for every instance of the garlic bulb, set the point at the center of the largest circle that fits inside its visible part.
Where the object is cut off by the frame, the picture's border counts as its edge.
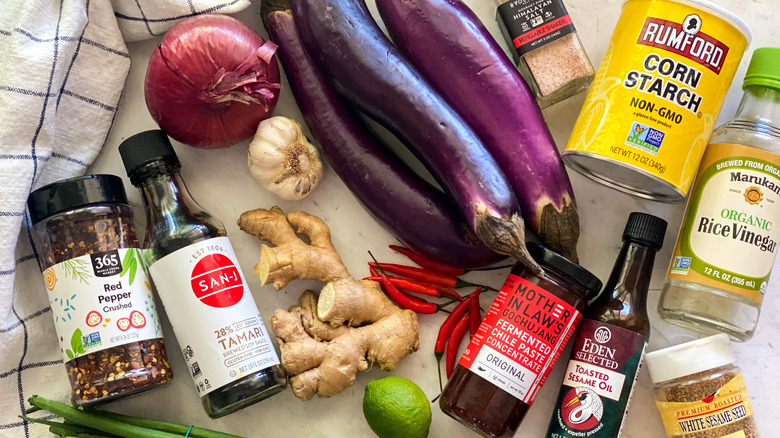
(282, 159)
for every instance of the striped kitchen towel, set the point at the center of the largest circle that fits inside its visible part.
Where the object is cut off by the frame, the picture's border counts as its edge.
(63, 64)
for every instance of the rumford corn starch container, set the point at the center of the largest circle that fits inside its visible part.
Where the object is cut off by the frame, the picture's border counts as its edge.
(656, 96)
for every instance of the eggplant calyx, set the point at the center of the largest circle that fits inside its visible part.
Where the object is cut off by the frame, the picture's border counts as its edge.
(560, 229)
(506, 236)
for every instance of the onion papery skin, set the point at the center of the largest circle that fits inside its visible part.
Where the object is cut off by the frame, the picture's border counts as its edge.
(187, 63)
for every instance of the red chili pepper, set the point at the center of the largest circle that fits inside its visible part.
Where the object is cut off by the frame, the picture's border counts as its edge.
(411, 286)
(446, 330)
(374, 272)
(412, 303)
(475, 315)
(424, 275)
(448, 325)
(449, 292)
(426, 263)
(453, 343)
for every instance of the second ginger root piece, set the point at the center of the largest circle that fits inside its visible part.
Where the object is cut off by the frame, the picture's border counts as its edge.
(351, 326)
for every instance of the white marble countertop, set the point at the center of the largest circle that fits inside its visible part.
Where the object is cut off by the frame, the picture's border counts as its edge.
(220, 181)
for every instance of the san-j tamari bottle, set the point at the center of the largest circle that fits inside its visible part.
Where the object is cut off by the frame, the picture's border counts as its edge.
(197, 276)
(720, 268)
(611, 340)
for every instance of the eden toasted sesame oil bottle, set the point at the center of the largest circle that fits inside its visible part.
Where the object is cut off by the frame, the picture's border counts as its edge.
(720, 268)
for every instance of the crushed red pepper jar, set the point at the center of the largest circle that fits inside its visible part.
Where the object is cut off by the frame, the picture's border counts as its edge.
(518, 343)
(101, 301)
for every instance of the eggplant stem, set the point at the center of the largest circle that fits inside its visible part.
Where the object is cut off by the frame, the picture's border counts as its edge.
(506, 236)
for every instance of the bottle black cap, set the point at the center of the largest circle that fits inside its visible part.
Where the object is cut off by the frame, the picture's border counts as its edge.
(547, 257)
(75, 193)
(144, 148)
(646, 228)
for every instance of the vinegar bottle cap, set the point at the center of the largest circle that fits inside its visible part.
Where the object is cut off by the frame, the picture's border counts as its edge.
(764, 69)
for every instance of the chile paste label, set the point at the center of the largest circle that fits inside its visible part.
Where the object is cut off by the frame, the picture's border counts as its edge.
(597, 385)
(530, 24)
(521, 338)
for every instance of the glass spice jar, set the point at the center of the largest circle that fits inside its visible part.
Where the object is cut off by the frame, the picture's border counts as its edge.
(699, 392)
(101, 301)
(518, 343)
(546, 48)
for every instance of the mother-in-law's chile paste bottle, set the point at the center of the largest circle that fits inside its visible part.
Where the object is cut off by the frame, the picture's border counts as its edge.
(609, 345)
(197, 276)
(522, 336)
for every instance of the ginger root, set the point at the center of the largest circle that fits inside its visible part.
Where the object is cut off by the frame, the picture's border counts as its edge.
(351, 326)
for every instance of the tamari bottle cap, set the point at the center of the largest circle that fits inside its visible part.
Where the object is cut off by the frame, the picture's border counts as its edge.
(144, 148)
(764, 68)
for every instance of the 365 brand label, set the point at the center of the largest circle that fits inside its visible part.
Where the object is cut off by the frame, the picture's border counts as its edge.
(521, 338)
(213, 314)
(100, 301)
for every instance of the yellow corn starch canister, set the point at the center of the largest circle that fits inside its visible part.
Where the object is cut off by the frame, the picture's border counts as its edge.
(656, 96)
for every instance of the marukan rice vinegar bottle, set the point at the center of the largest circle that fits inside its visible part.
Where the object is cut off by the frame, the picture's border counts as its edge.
(720, 268)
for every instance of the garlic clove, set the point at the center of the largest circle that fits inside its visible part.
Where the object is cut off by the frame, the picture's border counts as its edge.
(283, 160)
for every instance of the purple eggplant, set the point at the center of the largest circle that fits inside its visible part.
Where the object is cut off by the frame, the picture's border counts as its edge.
(415, 212)
(451, 47)
(365, 67)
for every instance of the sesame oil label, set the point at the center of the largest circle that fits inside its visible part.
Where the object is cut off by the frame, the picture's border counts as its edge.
(597, 385)
(729, 238)
(213, 314)
(521, 338)
(99, 301)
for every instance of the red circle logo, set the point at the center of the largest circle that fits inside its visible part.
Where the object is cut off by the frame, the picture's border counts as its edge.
(582, 409)
(217, 282)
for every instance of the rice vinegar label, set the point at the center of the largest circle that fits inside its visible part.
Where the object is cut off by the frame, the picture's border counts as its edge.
(732, 225)
(521, 338)
(213, 314)
(599, 379)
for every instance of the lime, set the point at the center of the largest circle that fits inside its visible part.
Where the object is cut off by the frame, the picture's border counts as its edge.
(395, 407)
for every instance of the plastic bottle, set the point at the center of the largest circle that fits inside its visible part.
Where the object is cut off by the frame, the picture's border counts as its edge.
(720, 268)
(197, 276)
(609, 345)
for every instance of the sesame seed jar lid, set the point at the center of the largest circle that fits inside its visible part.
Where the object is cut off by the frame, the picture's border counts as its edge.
(75, 193)
(689, 358)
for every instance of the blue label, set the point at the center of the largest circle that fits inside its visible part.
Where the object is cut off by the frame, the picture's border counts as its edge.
(645, 138)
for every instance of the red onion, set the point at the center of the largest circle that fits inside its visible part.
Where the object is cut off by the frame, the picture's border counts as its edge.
(211, 81)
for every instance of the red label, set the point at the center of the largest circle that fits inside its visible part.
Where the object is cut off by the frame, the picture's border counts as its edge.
(217, 282)
(542, 31)
(686, 40)
(521, 338)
